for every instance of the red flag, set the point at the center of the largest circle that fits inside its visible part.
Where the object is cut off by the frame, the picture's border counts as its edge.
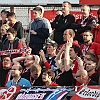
(89, 2)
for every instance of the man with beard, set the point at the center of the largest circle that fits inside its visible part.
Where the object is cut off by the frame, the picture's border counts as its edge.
(5, 73)
(90, 46)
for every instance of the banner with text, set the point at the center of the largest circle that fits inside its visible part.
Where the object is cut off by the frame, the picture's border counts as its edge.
(50, 14)
(87, 93)
(42, 93)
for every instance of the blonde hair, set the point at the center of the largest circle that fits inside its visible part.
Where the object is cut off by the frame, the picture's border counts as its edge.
(6, 26)
(35, 67)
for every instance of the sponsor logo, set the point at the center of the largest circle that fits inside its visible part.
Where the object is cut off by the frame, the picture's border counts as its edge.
(6, 94)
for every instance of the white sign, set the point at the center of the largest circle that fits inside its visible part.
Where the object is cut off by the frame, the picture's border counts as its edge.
(35, 2)
(86, 92)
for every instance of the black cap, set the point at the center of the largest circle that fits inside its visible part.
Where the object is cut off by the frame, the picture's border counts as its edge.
(5, 11)
(52, 43)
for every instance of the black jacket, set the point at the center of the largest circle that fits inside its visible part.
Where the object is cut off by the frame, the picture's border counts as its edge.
(60, 24)
(80, 29)
(18, 27)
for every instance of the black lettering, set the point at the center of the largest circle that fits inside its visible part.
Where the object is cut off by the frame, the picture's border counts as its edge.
(82, 91)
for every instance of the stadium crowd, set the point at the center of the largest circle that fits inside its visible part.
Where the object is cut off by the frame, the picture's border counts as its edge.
(64, 52)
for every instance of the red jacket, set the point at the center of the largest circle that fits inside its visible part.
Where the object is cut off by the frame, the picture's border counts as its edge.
(53, 84)
(96, 33)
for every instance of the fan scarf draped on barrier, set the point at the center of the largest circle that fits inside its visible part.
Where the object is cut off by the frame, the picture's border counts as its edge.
(49, 93)
(33, 93)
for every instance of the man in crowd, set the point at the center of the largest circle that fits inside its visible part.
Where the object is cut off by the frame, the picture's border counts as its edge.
(83, 24)
(48, 76)
(4, 17)
(39, 31)
(83, 78)
(90, 65)
(5, 73)
(16, 74)
(62, 22)
(90, 46)
(17, 25)
(28, 60)
(13, 42)
(35, 75)
(49, 61)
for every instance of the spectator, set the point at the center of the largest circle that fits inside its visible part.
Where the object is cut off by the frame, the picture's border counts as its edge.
(13, 42)
(74, 55)
(5, 73)
(28, 61)
(3, 20)
(49, 25)
(17, 80)
(83, 78)
(49, 61)
(35, 75)
(90, 46)
(65, 78)
(39, 31)
(48, 77)
(58, 12)
(17, 25)
(62, 22)
(4, 29)
(84, 24)
(90, 67)
(3, 17)
(69, 35)
(96, 28)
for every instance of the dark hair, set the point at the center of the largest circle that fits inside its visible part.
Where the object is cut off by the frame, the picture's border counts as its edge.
(11, 14)
(12, 30)
(68, 4)
(49, 72)
(5, 11)
(88, 31)
(92, 57)
(38, 9)
(52, 43)
(7, 56)
(98, 12)
(76, 49)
